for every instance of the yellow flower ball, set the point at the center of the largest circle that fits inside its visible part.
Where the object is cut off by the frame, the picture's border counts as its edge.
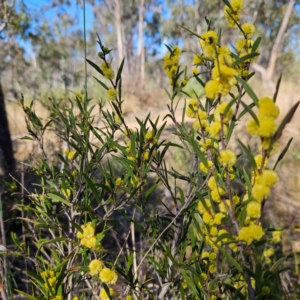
(95, 267)
(111, 94)
(268, 108)
(218, 218)
(197, 60)
(203, 168)
(220, 110)
(252, 126)
(207, 218)
(227, 158)
(216, 194)
(89, 242)
(103, 295)
(192, 109)
(201, 208)
(254, 209)
(212, 89)
(260, 192)
(251, 233)
(109, 73)
(212, 268)
(224, 74)
(249, 30)
(267, 127)
(108, 276)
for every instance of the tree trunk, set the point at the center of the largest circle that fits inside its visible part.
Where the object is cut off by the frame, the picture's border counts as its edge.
(267, 73)
(275, 49)
(6, 149)
(117, 15)
(141, 49)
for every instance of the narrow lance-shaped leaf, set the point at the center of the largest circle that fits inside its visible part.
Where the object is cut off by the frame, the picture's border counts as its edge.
(101, 83)
(277, 88)
(248, 89)
(256, 44)
(249, 154)
(286, 120)
(120, 71)
(193, 33)
(95, 66)
(250, 111)
(282, 154)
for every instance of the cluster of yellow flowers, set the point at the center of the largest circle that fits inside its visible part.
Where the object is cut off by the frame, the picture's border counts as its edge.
(50, 280)
(171, 62)
(107, 70)
(106, 275)
(88, 238)
(70, 154)
(268, 111)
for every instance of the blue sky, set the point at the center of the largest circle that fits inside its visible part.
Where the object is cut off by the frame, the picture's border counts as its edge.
(42, 7)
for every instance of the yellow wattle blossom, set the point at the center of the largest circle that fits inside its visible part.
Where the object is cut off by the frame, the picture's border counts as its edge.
(224, 75)
(208, 42)
(117, 119)
(118, 181)
(87, 237)
(57, 297)
(103, 295)
(258, 160)
(260, 192)
(212, 89)
(227, 158)
(192, 108)
(146, 156)
(268, 178)
(216, 194)
(268, 108)
(276, 237)
(249, 30)
(224, 56)
(212, 268)
(242, 45)
(195, 71)
(213, 231)
(207, 218)
(49, 279)
(71, 155)
(220, 110)
(107, 71)
(95, 267)
(108, 276)
(201, 208)
(254, 209)
(218, 218)
(233, 15)
(212, 183)
(267, 127)
(197, 59)
(111, 94)
(200, 124)
(203, 168)
(251, 233)
(149, 135)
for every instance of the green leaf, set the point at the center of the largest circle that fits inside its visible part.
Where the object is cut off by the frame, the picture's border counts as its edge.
(256, 44)
(27, 138)
(278, 263)
(230, 259)
(250, 111)
(27, 295)
(95, 66)
(120, 71)
(244, 58)
(277, 88)
(100, 82)
(282, 154)
(248, 89)
(246, 110)
(92, 186)
(193, 33)
(286, 120)
(56, 198)
(249, 154)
